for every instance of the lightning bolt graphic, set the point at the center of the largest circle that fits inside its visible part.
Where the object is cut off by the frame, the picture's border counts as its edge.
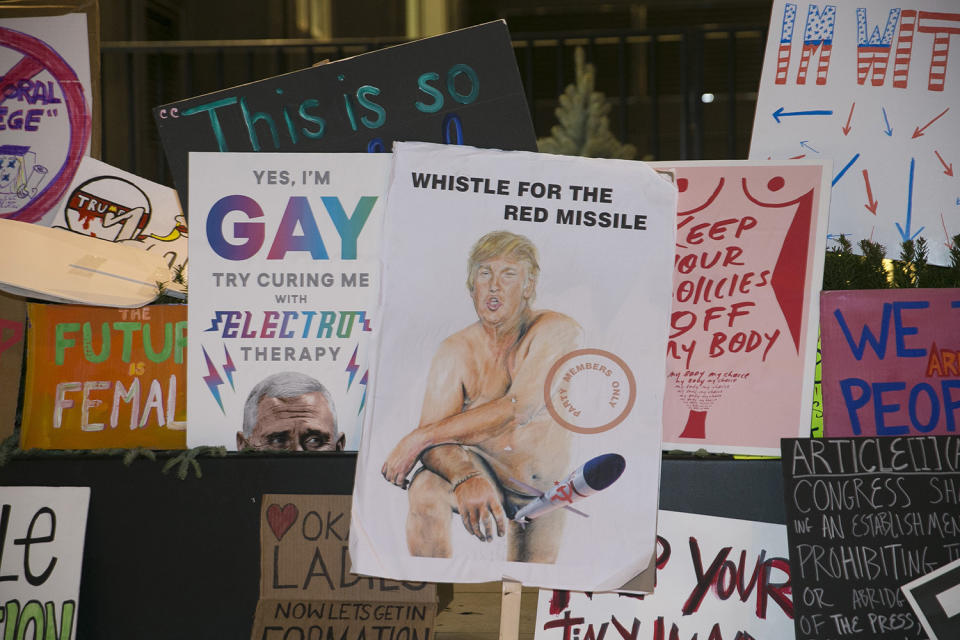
(352, 367)
(217, 319)
(364, 321)
(229, 368)
(213, 380)
(363, 399)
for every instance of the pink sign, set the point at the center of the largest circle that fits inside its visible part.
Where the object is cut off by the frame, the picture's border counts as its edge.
(891, 362)
(749, 264)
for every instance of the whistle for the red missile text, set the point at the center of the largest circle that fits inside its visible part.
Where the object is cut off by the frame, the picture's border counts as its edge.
(592, 476)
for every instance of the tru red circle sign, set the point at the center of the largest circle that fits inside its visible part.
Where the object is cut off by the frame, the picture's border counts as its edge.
(44, 126)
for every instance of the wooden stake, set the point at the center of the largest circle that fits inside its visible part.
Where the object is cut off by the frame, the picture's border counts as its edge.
(510, 610)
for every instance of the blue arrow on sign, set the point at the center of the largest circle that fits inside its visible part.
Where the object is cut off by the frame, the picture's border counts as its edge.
(905, 234)
(844, 170)
(780, 113)
(889, 129)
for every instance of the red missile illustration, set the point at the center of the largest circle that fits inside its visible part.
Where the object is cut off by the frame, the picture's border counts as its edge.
(592, 476)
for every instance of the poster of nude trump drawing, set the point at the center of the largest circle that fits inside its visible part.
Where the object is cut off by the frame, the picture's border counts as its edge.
(515, 426)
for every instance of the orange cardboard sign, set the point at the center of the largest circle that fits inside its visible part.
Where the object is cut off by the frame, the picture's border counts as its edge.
(101, 377)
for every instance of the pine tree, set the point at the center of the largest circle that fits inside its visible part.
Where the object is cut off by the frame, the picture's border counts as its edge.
(584, 128)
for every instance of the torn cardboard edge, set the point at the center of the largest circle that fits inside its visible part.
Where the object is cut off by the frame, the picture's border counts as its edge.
(306, 583)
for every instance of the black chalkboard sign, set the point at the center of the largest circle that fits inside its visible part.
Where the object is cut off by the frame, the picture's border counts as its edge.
(864, 517)
(462, 87)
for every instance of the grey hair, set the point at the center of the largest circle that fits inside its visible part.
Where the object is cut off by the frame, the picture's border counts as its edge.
(286, 384)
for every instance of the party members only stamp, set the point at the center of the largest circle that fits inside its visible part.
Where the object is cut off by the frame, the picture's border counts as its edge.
(590, 391)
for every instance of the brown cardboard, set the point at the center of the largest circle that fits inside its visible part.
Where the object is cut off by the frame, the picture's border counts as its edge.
(13, 320)
(306, 584)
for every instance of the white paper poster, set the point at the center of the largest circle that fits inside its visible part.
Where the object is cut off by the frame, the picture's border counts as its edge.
(869, 85)
(526, 308)
(45, 116)
(117, 206)
(284, 289)
(42, 532)
(717, 579)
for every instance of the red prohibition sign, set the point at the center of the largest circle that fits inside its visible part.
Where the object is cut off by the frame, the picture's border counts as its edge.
(37, 56)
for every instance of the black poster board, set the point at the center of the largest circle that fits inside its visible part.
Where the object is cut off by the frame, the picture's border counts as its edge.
(168, 558)
(461, 87)
(864, 517)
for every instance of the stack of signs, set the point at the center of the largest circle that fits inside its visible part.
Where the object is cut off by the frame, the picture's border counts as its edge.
(461, 87)
(41, 542)
(748, 270)
(867, 85)
(102, 378)
(891, 362)
(866, 516)
(13, 322)
(513, 352)
(307, 589)
(44, 111)
(284, 297)
(717, 579)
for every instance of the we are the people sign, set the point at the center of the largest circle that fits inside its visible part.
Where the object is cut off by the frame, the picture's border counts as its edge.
(891, 362)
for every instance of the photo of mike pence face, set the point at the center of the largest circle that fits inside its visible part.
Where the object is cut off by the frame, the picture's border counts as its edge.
(290, 411)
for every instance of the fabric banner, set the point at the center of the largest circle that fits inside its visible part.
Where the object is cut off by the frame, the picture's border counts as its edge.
(717, 579)
(283, 297)
(743, 333)
(868, 85)
(527, 298)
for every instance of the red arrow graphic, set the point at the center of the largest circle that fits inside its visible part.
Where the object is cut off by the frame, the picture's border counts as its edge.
(846, 128)
(948, 167)
(918, 131)
(871, 205)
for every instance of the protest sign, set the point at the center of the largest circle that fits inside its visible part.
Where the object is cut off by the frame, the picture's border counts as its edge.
(864, 517)
(743, 332)
(717, 578)
(45, 112)
(525, 406)
(284, 296)
(891, 362)
(13, 323)
(935, 599)
(54, 265)
(307, 589)
(100, 378)
(461, 87)
(868, 85)
(41, 543)
(117, 206)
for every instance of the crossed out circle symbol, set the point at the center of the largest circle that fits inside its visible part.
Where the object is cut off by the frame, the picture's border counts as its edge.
(37, 56)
